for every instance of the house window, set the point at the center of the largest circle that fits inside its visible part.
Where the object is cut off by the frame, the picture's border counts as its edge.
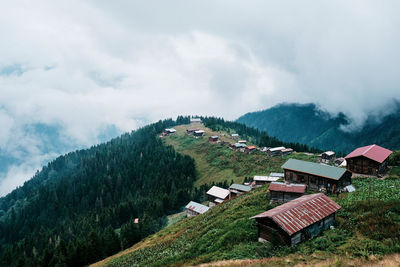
(301, 178)
(291, 176)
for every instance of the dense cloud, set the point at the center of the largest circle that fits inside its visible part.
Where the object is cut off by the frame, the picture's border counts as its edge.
(86, 66)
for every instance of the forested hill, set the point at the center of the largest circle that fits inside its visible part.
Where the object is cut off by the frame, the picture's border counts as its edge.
(68, 212)
(305, 123)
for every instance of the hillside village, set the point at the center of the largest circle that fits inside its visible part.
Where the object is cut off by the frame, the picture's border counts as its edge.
(301, 193)
(303, 185)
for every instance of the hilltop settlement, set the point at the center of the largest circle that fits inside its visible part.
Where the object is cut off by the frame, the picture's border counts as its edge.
(301, 192)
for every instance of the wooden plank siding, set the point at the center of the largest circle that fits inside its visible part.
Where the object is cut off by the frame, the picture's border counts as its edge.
(315, 182)
(365, 165)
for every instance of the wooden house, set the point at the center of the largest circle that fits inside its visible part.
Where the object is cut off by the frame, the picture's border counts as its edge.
(340, 162)
(277, 174)
(298, 220)
(194, 208)
(251, 149)
(192, 130)
(199, 133)
(261, 180)
(238, 146)
(286, 151)
(217, 195)
(195, 120)
(235, 136)
(213, 139)
(285, 192)
(327, 157)
(371, 160)
(169, 131)
(275, 151)
(316, 176)
(238, 189)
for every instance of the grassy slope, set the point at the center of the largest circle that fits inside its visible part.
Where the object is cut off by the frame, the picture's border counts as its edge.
(226, 233)
(216, 163)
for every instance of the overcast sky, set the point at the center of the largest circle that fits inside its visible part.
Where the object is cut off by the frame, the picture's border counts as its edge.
(86, 66)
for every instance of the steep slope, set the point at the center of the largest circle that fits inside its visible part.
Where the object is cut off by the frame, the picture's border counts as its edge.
(67, 213)
(226, 233)
(305, 123)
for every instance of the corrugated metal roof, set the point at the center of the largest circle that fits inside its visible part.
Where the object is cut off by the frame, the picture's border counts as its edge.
(218, 192)
(276, 148)
(200, 131)
(197, 207)
(329, 153)
(239, 145)
(252, 147)
(291, 188)
(330, 172)
(214, 136)
(265, 178)
(277, 174)
(374, 152)
(240, 187)
(301, 212)
(235, 135)
(193, 129)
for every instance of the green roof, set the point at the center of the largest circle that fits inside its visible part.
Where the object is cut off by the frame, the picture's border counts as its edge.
(314, 168)
(240, 187)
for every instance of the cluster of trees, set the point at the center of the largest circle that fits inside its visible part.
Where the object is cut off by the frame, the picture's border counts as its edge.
(81, 207)
(260, 138)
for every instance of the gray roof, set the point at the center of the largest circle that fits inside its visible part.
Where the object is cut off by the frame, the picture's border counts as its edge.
(265, 178)
(214, 136)
(277, 174)
(314, 168)
(197, 207)
(240, 187)
(238, 145)
(218, 192)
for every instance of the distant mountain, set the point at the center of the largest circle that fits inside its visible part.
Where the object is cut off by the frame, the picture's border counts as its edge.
(307, 124)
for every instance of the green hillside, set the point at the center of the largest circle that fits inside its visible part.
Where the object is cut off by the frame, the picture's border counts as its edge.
(217, 163)
(226, 232)
(307, 124)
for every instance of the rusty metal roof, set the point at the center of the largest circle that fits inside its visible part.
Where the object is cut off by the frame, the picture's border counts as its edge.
(301, 212)
(374, 152)
(291, 188)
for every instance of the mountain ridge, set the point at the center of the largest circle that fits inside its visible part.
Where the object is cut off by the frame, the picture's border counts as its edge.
(308, 124)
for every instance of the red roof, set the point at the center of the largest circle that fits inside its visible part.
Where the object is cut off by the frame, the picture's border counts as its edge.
(251, 147)
(283, 187)
(374, 152)
(301, 212)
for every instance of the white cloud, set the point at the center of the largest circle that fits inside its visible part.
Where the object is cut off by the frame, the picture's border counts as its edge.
(86, 65)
